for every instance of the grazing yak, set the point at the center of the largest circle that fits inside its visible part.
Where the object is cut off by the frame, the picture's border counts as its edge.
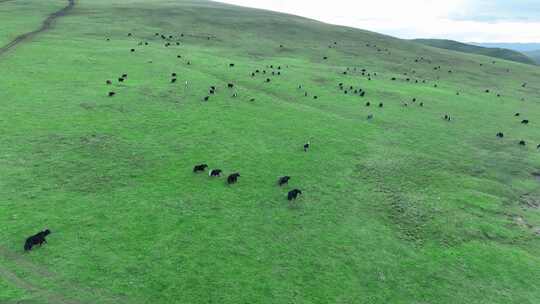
(233, 178)
(37, 239)
(538, 147)
(108, 82)
(525, 121)
(368, 104)
(111, 94)
(283, 180)
(215, 172)
(230, 85)
(200, 168)
(293, 194)
(522, 143)
(306, 146)
(173, 80)
(381, 105)
(500, 135)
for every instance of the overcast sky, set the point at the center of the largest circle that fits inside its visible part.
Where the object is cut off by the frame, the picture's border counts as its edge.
(462, 20)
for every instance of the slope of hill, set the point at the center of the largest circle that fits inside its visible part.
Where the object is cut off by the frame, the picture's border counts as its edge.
(500, 53)
(405, 207)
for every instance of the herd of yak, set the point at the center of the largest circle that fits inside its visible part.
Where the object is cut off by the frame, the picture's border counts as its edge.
(40, 237)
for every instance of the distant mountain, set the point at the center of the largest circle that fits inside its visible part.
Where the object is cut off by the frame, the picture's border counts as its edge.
(535, 55)
(479, 50)
(520, 47)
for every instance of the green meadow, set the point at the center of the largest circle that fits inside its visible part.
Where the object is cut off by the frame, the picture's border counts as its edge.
(405, 207)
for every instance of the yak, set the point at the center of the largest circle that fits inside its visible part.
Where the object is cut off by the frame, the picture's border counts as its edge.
(36, 239)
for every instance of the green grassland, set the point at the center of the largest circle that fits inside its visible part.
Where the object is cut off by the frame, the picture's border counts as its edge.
(404, 208)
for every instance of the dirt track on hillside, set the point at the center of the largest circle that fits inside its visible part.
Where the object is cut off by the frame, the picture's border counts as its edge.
(44, 27)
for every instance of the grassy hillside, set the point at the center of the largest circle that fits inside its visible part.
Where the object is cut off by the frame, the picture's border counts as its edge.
(24, 16)
(473, 49)
(404, 208)
(535, 55)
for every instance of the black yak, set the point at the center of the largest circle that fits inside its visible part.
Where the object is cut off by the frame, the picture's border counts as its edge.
(200, 168)
(500, 135)
(37, 239)
(283, 180)
(306, 146)
(525, 121)
(522, 143)
(215, 172)
(111, 94)
(233, 178)
(293, 194)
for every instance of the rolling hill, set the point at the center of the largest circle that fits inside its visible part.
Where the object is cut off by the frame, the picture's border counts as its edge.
(500, 53)
(403, 207)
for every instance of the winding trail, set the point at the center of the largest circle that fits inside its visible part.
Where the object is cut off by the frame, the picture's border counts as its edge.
(45, 26)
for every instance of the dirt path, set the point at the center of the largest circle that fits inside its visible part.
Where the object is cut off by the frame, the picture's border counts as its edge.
(45, 26)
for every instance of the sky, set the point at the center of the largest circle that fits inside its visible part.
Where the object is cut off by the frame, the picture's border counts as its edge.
(514, 21)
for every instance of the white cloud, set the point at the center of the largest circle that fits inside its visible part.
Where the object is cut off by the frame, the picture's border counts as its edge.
(408, 19)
